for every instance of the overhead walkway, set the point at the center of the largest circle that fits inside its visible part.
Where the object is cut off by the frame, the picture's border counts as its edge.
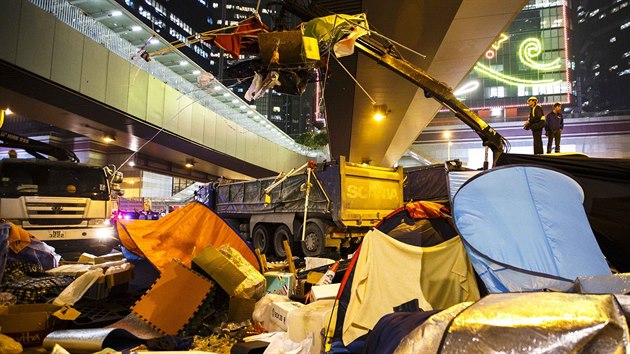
(59, 66)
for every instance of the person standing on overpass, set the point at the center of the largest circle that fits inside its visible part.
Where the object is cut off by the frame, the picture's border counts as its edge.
(535, 123)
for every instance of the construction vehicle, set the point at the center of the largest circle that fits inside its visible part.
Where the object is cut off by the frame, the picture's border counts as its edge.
(317, 208)
(386, 54)
(55, 198)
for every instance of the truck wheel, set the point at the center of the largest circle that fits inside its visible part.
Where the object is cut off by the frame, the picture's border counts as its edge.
(314, 243)
(261, 238)
(282, 233)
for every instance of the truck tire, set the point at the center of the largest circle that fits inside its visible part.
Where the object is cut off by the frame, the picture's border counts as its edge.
(261, 238)
(282, 233)
(314, 243)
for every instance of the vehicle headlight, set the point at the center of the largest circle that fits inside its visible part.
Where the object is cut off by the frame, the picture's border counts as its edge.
(105, 233)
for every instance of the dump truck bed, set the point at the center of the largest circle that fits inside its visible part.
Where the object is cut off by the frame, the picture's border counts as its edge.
(350, 194)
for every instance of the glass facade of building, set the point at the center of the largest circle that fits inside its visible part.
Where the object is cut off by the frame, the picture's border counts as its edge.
(184, 19)
(528, 59)
(602, 56)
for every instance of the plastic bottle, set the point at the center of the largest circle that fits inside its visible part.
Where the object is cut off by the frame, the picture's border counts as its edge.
(328, 277)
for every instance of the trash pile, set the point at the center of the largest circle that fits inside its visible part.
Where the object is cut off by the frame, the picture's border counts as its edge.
(505, 271)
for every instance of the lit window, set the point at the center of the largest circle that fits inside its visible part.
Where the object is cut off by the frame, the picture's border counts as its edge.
(215, 5)
(496, 91)
(276, 109)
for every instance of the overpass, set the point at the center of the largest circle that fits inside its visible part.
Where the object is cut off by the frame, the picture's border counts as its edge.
(84, 82)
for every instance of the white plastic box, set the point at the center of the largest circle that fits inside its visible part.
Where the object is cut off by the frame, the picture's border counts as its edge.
(314, 317)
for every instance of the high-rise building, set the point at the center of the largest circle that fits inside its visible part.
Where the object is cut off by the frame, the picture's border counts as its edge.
(531, 58)
(601, 54)
(183, 20)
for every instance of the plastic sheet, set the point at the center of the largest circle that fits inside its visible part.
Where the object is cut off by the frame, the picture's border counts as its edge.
(91, 340)
(75, 291)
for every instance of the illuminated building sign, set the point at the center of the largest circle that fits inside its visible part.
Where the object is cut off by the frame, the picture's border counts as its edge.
(529, 59)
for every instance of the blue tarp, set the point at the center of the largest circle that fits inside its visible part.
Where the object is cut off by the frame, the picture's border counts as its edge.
(525, 229)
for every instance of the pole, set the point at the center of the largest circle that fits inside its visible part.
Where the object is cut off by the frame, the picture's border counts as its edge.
(308, 192)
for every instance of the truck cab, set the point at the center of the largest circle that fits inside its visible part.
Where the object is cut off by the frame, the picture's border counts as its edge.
(64, 203)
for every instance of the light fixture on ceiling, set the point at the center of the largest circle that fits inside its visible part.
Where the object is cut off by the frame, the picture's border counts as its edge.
(380, 111)
(109, 138)
(4, 112)
(190, 163)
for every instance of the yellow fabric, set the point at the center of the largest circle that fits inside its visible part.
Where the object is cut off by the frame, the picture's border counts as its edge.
(447, 275)
(18, 238)
(389, 273)
(181, 234)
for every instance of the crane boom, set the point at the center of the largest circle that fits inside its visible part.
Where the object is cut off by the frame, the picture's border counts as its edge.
(387, 56)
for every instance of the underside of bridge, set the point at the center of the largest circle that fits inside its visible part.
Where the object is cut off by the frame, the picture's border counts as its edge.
(452, 34)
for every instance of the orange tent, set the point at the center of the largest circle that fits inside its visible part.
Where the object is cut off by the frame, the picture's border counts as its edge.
(181, 234)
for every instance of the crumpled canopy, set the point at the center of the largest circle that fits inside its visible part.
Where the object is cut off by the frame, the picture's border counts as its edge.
(331, 30)
(181, 234)
(523, 225)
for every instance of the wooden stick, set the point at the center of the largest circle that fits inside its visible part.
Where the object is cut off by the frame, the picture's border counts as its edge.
(263, 261)
(287, 249)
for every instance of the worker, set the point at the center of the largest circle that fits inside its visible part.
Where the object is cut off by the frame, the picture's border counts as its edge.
(535, 123)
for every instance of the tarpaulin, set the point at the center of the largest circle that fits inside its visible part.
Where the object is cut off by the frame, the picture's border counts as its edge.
(243, 38)
(181, 234)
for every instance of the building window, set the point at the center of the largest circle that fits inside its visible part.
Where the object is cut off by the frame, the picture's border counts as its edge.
(496, 91)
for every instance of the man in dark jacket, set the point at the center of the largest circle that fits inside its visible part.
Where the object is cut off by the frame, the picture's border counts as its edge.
(535, 122)
(553, 128)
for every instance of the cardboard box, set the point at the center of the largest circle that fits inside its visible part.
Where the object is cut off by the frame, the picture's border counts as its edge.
(108, 284)
(280, 311)
(92, 259)
(280, 283)
(217, 266)
(604, 284)
(30, 323)
(328, 291)
(241, 309)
